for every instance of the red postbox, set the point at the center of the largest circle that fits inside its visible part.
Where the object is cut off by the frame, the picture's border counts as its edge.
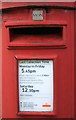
(37, 60)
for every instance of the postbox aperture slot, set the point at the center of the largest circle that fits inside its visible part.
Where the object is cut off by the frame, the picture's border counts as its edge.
(38, 30)
(36, 35)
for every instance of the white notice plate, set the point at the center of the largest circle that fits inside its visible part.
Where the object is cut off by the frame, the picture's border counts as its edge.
(35, 85)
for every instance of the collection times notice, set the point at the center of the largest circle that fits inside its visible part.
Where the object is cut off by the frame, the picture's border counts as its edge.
(35, 85)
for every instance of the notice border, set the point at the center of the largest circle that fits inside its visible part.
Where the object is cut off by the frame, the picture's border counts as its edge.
(52, 57)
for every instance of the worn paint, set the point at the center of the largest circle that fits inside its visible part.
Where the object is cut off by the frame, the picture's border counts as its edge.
(56, 46)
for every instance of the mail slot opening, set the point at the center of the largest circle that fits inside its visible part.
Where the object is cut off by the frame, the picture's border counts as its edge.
(36, 34)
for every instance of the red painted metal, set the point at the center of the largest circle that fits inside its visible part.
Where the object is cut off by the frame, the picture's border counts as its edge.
(6, 5)
(60, 49)
(75, 62)
(0, 70)
(55, 41)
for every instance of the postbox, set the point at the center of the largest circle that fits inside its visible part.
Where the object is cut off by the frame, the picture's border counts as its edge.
(37, 60)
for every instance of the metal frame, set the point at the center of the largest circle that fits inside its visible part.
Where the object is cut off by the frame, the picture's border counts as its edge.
(51, 57)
